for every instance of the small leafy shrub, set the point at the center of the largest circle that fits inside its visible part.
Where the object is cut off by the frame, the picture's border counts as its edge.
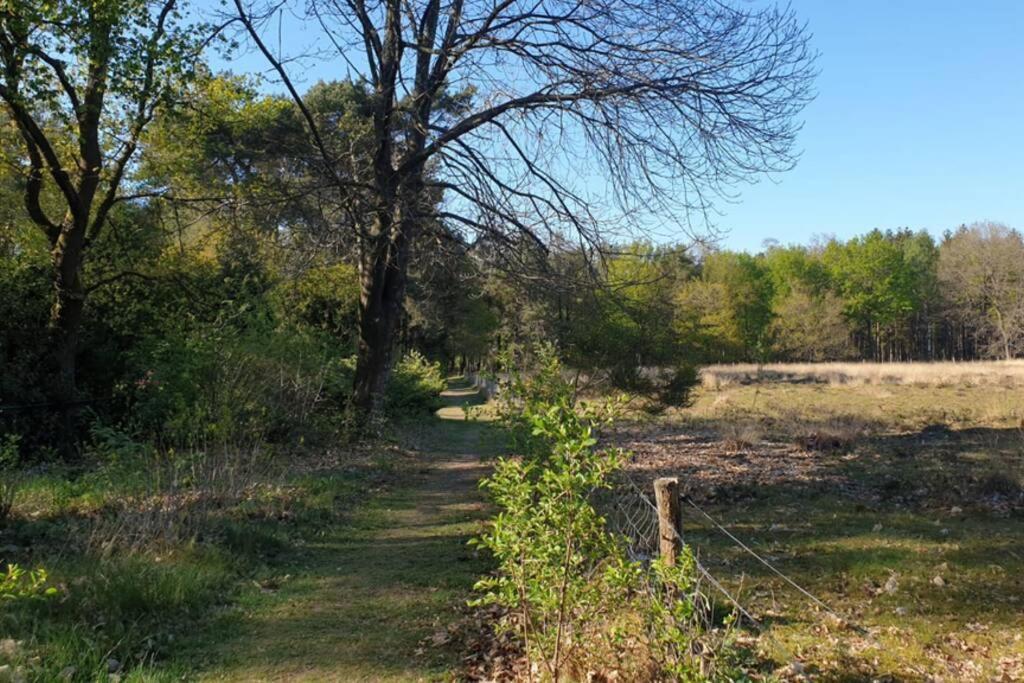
(415, 385)
(576, 600)
(560, 571)
(9, 478)
(21, 584)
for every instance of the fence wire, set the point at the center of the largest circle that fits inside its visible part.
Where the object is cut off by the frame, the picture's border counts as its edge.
(632, 513)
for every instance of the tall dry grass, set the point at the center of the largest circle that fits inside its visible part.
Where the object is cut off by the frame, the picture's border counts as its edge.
(995, 373)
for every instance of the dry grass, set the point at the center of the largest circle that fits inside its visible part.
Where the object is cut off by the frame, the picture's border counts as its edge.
(998, 373)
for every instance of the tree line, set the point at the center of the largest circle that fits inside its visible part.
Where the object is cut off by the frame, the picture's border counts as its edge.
(887, 296)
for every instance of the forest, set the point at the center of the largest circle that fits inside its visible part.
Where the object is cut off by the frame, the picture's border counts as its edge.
(245, 320)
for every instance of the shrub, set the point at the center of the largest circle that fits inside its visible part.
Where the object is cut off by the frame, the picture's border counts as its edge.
(217, 383)
(576, 600)
(560, 571)
(676, 390)
(415, 385)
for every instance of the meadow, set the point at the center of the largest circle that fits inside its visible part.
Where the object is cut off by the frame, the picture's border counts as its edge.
(893, 493)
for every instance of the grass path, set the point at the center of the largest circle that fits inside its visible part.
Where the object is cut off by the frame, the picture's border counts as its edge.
(355, 601)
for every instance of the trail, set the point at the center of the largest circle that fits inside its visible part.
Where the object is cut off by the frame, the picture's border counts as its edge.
(360, 600)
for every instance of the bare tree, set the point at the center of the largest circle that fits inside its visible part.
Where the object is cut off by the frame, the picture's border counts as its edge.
(981, 268)
(80, 81)
(546, 117)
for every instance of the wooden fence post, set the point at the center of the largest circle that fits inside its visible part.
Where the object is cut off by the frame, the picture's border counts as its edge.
(670, 519)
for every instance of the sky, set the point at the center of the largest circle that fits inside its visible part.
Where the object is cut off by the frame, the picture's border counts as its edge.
(918, 122)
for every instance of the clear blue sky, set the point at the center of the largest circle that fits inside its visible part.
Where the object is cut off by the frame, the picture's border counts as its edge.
(918, 122)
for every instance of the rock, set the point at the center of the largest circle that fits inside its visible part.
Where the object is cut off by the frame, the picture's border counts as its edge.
(113, 666)
(938, 581)
(955, 510)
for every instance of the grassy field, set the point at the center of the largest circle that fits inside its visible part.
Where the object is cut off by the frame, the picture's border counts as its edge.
(315, 564)
(898, 502)
(951, 374)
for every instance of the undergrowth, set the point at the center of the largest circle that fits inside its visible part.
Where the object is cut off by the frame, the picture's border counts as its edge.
(579, 604)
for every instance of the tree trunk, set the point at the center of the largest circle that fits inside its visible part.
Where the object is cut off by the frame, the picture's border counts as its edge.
(383, 275)
(65, 325)
(68, 305)
(1004, 335)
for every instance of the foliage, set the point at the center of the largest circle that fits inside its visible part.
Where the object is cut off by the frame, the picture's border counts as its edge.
(216, 382)
(559, 569)
(561, 573)
(676, 391)
(20, 584)
(415, 386)
(732, 300)
(325, 298)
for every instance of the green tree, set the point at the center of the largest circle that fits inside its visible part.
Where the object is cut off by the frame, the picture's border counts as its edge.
(81, 81)
(730, 306)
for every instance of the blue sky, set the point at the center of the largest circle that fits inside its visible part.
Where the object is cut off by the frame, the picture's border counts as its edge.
(918, 122)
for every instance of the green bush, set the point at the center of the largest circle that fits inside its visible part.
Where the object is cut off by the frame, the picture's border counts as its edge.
(560, 571)
(575, 598)
(415, 385)
(675, 391)
(222, 383)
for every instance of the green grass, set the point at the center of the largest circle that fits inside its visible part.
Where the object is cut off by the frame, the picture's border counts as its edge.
(922, 482)
(336, 570)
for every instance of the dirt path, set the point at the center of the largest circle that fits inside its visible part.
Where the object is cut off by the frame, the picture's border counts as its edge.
(356, 603)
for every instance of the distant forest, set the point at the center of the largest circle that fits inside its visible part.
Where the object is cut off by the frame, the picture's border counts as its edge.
(883, 296)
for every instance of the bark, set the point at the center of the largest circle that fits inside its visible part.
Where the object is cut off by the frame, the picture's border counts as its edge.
(383, 274)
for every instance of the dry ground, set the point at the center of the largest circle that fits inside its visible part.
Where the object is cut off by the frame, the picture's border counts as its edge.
(899, 504)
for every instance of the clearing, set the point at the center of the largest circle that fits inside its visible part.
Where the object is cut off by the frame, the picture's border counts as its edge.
(899, 505)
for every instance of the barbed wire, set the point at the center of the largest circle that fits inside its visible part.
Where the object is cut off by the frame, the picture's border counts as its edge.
(634, 517)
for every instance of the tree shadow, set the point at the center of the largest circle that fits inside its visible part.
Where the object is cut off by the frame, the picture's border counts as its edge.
(919, 532)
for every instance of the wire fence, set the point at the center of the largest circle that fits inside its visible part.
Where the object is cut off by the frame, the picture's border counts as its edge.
(633, 513)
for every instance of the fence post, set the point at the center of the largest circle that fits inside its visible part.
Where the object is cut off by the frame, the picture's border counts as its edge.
(670, 519)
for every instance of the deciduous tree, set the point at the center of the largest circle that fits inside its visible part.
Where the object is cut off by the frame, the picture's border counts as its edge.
(505, 106)
(80, 81)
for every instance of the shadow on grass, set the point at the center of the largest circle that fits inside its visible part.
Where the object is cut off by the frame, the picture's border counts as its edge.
(917, 536)
(356, 600)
